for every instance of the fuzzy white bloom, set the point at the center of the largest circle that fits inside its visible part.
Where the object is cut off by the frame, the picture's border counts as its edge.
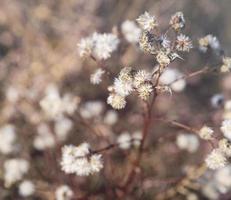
(7, 139)
(225, 147)
(85, 47)
(170, 76)
(64, 192)
(226, 128)
(111, 117)
(147, 21)
(187, 142)
(79, 161)
(163, 59)
(177, 21)
(206, 133)
(145, 90)
(131, 31)
(124, 140)
(216, 159)
(62, 128)
(141, 77)
(226, 64)
(44, 139)
(123, 88)
(14, 170)
(96, 77)
(104, 45)
(164, 41)
(98, 45)
(26, 188)
(91, 109)
(116, 101)
(183, 43)
(217, 100)
(137, 137)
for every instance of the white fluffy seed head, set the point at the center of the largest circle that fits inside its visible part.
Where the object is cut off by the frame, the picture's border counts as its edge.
(145, 90)
(78, 160)
(225, 147)
(116, 101)
(147, 22)
(216, 159)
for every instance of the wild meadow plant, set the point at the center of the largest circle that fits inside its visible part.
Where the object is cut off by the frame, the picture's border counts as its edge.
(120, 166)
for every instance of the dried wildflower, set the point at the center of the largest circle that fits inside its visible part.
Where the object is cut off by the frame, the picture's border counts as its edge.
(209, 41)
(64, 192)
(104, 45)
(123, 88)
(187, 142)
(145, 90)
(183, 43)
(147, 21)
(146, 42)
(85, 47)
(177, 21)
(216, 159)
(26, 188)
(8, 139)
(225, 147)
(141, 77)
(98, 45)
(126, 74)
(14, 169)
(131, 31)
(164, 41)
(226, 128)
(162, 58)
(116, 101)
(96, 77)
(124, 140)
(226, 64)
(79, 161)
(206, 133)
(217, 100)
